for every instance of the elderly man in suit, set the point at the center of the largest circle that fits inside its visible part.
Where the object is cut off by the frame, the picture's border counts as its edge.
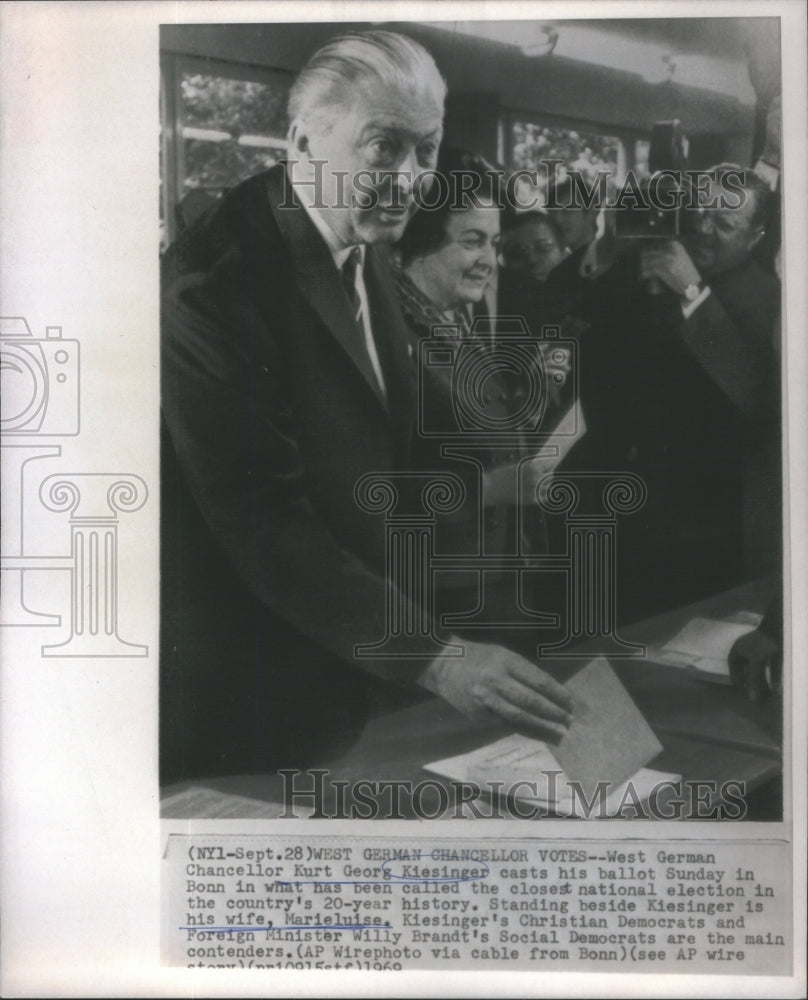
(286, 378)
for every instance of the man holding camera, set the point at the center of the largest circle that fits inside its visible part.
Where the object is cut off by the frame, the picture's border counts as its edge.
(286, 379)
(680, 386)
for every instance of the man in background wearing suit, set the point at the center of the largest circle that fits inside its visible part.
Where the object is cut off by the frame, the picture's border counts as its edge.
(286, 378)
(681, 387)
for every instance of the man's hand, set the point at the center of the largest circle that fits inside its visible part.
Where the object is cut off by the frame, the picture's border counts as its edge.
(669, 263)
(493, 684)
(756, 666)
(536, 469)
(518, 483)
(515, 484)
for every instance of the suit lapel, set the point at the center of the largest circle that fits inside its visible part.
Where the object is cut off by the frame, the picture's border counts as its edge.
(317, 277)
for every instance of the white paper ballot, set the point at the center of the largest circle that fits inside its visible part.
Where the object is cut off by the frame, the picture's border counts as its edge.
(567, 432)
(704, 644)
(528, 770)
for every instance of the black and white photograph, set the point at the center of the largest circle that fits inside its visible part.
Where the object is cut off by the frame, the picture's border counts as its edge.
(471, 339)
(402, 555)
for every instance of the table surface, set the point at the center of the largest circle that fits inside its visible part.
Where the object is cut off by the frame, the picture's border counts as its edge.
(709, 731)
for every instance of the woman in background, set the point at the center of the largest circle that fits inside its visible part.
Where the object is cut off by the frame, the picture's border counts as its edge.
(532, 246)
(446, 276)
(448, 254)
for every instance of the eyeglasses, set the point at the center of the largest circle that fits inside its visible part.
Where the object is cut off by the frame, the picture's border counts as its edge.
(521, 251)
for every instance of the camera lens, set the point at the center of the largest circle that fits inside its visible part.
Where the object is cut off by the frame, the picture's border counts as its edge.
(22, 387)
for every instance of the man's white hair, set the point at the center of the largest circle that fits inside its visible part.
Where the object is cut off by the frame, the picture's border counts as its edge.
(367, 59)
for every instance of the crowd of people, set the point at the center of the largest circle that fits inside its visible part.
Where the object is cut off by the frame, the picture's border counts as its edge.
(677, 363)
(292, 322)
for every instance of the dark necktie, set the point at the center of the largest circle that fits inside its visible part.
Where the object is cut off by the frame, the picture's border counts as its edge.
(352, 262)
(348, 274)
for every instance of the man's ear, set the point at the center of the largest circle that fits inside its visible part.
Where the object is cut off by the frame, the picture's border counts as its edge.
(298, 137)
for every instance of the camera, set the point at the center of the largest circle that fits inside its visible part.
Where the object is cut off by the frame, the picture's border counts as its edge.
(40, 380)
(498, 377)
(652, 208)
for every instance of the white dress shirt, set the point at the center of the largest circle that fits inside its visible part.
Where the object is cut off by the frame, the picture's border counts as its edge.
(340, 253)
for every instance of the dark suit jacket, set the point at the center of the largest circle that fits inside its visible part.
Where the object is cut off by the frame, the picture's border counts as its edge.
(507, 525)
(271, 571)
(567, 290)
(687, 405)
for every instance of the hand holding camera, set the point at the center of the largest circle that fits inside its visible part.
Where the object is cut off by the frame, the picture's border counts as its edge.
(669, 263)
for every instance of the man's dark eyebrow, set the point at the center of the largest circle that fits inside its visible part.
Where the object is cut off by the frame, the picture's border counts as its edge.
(381, 126)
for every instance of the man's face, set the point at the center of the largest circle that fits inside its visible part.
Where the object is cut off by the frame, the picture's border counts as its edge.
(374, 151)
(458, 272)
(532, 250)
(719, 239)
(579, 225)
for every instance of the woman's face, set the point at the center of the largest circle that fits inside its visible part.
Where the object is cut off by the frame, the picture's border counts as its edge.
(532, 250)
(458, 272)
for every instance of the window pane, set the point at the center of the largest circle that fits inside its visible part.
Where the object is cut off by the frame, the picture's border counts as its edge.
(642, 150)
(586, 152)
(228, 129)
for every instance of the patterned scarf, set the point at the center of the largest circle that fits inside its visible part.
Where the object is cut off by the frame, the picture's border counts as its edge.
(420, 311)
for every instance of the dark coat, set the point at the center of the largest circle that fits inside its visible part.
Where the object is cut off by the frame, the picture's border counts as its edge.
(505, 525)
(271, 572)
(692, 407)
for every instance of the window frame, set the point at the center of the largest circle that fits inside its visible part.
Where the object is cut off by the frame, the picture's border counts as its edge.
(626, 136)
(172, 67)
